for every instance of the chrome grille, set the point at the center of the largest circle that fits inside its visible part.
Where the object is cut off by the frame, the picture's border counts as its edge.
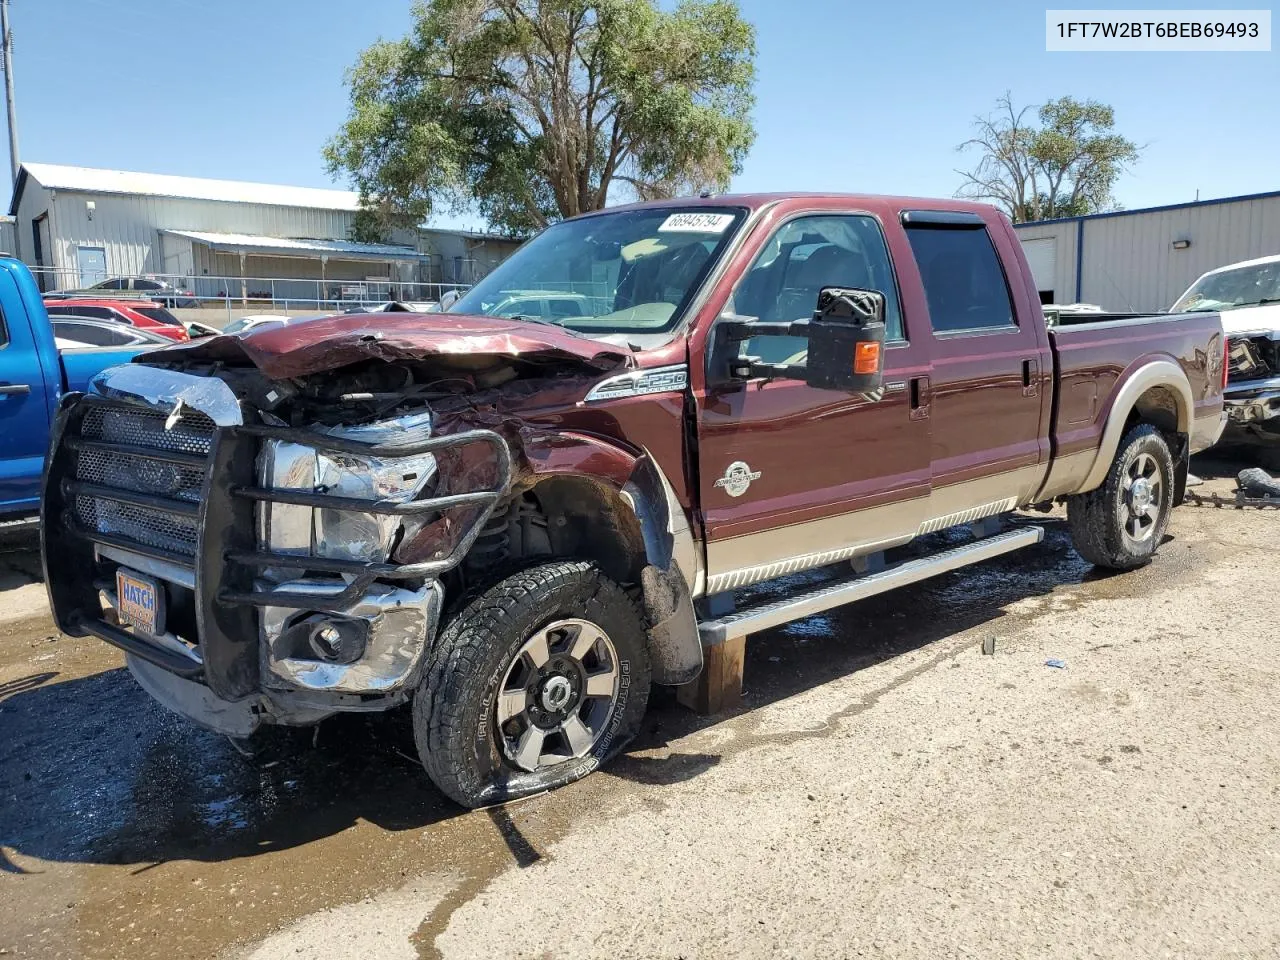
(123, 469)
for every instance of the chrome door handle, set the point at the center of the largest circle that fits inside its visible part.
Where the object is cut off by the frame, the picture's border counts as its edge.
(14, 389)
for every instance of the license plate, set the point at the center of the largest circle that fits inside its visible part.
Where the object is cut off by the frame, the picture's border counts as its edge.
(140, 601)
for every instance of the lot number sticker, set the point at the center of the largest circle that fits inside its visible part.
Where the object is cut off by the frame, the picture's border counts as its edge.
(696, 223)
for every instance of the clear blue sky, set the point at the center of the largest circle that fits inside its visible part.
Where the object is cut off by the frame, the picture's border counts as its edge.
(852, 96)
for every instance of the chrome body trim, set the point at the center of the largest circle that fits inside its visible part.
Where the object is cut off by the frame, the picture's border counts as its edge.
(172, 572)
(741, 561)
(774, 614)
(640, 383)
(968, 516)
(401, 623)
(1245, 388)
(163, 389)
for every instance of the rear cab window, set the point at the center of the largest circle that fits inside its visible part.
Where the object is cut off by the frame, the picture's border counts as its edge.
(964, 283)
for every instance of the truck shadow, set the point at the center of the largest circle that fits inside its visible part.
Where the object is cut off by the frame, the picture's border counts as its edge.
(91, 770)
(19, 557)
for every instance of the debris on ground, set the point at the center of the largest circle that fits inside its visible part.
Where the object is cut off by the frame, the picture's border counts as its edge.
(1056, 663)
(1254, 488)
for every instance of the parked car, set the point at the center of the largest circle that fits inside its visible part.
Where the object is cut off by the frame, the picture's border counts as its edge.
(764, 385)
(161, 291)
(195, 329)
(256, 321)
(34, 376)
(1247, 295)
(395, 306)
(75, 332)
(136, 313)
(541, 304)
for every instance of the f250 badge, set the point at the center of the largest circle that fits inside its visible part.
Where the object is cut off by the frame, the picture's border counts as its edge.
(737, 478)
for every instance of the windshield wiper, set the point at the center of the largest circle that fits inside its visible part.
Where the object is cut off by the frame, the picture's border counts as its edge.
(1256, 303)
(528, 319)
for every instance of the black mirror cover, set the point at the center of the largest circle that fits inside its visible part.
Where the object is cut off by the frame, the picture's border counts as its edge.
(846, 341)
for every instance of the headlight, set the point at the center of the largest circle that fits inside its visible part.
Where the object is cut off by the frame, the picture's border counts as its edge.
(344, 534)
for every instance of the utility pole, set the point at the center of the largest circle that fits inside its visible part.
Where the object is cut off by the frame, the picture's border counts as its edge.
(7, 40)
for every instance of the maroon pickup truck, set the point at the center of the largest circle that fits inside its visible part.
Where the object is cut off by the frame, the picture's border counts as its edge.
(519, 520)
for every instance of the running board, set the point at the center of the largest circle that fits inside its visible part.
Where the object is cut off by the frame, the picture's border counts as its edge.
(755, 619)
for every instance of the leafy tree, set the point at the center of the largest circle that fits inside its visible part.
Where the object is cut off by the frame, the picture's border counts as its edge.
(533, 110)
(1065, 165)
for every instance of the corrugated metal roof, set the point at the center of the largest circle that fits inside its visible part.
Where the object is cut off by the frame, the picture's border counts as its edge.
(289, 247)
(55, 176)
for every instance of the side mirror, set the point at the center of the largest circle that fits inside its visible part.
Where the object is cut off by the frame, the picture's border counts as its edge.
(845, 343)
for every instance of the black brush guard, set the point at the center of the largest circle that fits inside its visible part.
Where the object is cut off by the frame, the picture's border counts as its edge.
(227, 556)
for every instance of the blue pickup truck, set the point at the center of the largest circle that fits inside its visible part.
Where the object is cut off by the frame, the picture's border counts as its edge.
(34, 373)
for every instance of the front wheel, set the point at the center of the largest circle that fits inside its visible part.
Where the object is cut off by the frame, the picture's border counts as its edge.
(532, 685)
(1120, 524)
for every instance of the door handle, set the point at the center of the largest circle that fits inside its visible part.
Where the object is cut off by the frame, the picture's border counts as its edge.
(919, 389)
(1030, 377)
(14, 389)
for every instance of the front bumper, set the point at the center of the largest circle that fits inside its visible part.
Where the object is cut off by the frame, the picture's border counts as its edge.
(178, 503)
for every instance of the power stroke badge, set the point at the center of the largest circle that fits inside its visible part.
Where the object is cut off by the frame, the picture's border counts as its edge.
(737, 478)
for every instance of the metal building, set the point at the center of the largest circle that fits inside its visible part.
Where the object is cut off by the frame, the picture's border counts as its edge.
(76, 226)
(1141, 260)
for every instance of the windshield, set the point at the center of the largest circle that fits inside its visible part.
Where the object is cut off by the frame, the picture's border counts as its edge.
(1230, 289)
(632, 271)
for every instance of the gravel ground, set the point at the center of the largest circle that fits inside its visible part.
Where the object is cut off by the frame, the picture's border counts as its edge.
(886, 790)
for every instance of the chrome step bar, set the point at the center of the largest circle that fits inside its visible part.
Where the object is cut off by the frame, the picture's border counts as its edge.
(755, 619)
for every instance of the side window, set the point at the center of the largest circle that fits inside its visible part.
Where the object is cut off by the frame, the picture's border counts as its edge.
(963, 281)
(802, 257)
(85, 333)
(565, 308)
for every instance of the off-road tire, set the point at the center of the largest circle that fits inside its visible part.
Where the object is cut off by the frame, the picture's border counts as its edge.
(1096, 519)
(454, 723)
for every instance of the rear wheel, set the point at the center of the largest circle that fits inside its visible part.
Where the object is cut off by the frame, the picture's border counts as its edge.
(1120, 524)
(532, 685)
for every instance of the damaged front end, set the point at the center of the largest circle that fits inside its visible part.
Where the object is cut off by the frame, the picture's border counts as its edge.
(1252, 395)
(271, 549)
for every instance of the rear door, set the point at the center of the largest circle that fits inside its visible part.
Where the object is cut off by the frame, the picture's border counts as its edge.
(24, 404)
(991, 368)
(792, 477)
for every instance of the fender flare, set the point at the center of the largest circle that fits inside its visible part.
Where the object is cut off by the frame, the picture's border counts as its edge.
(1162, 373)
(670, 576)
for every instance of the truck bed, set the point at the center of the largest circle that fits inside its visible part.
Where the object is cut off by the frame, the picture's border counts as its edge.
(1095, 354)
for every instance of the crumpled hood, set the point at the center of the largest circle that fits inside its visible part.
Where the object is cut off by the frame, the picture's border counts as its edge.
(327, 343)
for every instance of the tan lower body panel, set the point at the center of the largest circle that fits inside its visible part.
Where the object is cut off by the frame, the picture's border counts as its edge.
(741, 561)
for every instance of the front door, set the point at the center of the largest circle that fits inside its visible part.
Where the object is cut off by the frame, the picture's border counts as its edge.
(792, 477)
